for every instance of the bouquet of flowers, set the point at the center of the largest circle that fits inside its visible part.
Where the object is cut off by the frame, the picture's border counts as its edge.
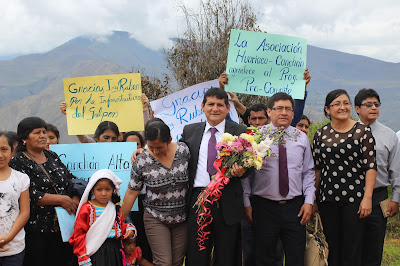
(247, 150)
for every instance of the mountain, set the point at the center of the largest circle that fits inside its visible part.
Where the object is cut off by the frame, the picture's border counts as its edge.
(32, 84)
(30, 74)
(332, 69)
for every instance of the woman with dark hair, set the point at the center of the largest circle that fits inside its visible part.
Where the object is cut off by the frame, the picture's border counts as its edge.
(304, 124)
(106, 131)
(13, 137)
(163, 169)
(53, 135)
(134, 136)
(137, 216)
(49, 179)
(345, 169)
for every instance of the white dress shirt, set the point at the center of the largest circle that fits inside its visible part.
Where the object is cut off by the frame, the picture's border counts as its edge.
(387, 158)
(202, 177)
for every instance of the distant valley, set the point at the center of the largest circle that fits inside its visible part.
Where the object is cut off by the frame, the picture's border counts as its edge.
(31, 85)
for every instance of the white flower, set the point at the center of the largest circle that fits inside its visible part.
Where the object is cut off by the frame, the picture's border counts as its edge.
(267, 141)
(262, 149)
(264, 146)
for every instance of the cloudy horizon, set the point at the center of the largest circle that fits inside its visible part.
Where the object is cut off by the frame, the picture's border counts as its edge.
(357, 27)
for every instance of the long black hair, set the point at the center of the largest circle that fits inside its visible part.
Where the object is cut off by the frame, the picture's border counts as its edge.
(157, 130)
(103, 126)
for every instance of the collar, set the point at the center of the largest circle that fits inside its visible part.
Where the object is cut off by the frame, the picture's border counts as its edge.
(371, 126)
(287, 130)
(220, 127)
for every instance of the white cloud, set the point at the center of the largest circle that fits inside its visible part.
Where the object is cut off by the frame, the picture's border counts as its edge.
(361, 26)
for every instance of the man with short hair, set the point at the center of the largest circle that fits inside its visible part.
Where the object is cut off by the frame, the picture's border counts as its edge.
(244, 112)
(282, 192)
(257, 115)
(228, 212)
(367, 105)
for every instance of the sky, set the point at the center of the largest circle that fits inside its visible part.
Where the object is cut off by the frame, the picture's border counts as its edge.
(363, 27)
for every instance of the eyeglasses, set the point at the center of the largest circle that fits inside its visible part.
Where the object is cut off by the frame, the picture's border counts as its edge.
(280, 109)
(345, 104)
(369, 104)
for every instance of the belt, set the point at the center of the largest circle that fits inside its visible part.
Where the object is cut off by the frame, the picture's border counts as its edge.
(278, 202)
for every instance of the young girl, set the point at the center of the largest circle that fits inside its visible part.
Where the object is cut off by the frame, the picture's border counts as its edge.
(133, 254)
(99, 225)
(14, 207)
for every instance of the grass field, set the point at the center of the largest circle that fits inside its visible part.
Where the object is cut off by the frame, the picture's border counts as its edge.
(391, 251)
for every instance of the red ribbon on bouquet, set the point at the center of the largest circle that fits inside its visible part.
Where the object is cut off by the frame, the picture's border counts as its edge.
(210, 195)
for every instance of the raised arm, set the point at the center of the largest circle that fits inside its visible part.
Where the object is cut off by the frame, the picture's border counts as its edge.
(300, 104)
(81, 138)
(240, 108)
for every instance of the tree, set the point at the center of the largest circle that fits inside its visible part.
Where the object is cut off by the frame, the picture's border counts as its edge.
(153, 87)
(200, 54)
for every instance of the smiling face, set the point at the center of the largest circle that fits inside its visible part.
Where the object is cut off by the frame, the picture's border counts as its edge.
(281, 113)
(368, 115)
(37, 140)
(102, 192)
(5, 152)
(340, 108)
(215, 110)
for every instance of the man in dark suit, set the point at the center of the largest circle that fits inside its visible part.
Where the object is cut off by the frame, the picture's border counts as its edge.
(228, 211)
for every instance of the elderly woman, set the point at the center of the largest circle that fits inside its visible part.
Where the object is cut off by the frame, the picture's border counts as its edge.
(49, 179)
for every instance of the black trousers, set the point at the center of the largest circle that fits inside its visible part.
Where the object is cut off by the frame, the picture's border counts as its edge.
(223, 238)
(344, 232)
(272, 221)
(46, 249)
(375, 230)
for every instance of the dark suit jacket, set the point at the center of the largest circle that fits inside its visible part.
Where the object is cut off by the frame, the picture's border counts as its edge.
(231, 200)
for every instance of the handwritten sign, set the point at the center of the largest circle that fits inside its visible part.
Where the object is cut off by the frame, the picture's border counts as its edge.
(86, 158)
(184, 107)
(264, 64)
(91, 100)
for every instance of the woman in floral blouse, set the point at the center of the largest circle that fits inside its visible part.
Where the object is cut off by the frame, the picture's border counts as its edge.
(48, 188)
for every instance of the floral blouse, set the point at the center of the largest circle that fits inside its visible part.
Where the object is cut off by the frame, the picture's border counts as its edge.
(166, 188)
(42, 217)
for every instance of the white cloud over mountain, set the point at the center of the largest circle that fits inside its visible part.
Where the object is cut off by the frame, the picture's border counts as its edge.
(361, 26)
